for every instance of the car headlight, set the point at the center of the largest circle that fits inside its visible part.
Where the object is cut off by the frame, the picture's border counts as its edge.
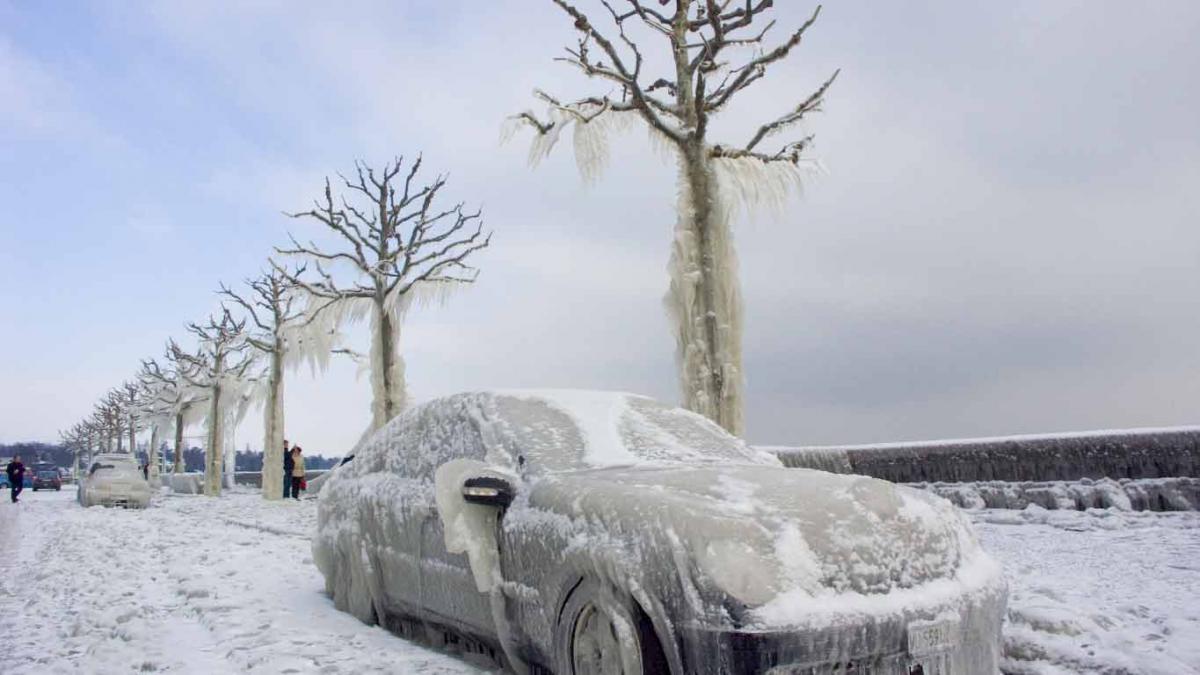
(740, 570)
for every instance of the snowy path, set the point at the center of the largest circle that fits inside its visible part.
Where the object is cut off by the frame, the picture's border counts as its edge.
(192, 585)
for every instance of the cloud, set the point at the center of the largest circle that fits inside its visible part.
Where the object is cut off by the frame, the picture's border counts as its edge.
(1005, 240)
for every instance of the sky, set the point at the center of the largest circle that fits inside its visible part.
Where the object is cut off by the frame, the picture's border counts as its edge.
(1004, 240)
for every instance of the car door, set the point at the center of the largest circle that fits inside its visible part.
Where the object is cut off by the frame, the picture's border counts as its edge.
(447, 583)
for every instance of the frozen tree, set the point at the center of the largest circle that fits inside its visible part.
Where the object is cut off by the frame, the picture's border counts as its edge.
(218, 368)
(709, 51)
(109, 419)
(164, 402)
(395, 246)
(185, 400)
(79, 440)
(128, 397)
(279, 332)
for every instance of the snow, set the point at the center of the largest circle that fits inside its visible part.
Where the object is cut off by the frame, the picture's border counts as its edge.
(1098, 591)
(192, 585)
(201, 585)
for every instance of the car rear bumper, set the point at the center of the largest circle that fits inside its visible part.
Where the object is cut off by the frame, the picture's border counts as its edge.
(129, 501)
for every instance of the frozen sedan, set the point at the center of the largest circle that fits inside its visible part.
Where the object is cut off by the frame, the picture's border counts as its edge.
(589, 532)
(114, 480)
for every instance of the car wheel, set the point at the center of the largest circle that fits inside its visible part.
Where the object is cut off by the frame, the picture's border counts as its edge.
(599, 633)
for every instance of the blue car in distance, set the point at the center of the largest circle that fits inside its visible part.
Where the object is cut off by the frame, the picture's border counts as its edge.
(28, 483)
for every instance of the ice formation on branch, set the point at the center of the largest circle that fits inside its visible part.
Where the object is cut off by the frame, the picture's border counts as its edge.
(400, 248)
(704, 300)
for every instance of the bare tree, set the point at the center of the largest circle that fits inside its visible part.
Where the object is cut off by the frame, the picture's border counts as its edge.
(164, 401)
(128, 397)
(218, 367)
(699, 39)
(183, 399)
(273, 308)
(396, 246)
(79, 439)
(110, 421)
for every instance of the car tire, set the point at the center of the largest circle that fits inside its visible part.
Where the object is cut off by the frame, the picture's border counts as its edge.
(603, 632)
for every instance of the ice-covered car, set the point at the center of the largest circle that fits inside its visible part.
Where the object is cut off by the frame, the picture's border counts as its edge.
(591, 532)
(114, 480)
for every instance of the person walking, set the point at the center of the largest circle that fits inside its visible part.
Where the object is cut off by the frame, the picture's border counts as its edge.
(297, 471)
(16, 476)
(288, 463)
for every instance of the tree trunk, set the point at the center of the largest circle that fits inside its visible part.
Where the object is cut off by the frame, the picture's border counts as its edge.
(272, 468)
(215, 446)
(152, 451)
(387, 369)
(704, 299)
(132, 436)
(178, 443)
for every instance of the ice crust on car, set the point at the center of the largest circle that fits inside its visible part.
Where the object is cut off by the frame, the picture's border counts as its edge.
(639, 492)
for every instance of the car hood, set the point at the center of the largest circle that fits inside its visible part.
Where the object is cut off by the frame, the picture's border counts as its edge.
(757, 531)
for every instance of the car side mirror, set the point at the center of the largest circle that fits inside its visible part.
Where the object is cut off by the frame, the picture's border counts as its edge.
(489, 491)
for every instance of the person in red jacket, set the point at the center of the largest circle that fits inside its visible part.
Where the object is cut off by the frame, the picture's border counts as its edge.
(16, 476)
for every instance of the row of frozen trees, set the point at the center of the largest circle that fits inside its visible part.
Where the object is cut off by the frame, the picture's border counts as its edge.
(670, 66)
(395, 243)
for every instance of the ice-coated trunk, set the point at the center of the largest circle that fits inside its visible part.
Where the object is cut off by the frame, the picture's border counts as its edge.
(387, 367)
(152, 453)
(272, 468)
(215, 446)
(704, 299)
(132, 436)
(178, 443)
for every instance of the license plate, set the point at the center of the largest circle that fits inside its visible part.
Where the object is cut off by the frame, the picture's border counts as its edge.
(931, 637)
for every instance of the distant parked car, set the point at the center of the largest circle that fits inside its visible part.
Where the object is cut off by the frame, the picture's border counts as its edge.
(601, 533)
(46, 478)
(114, 480)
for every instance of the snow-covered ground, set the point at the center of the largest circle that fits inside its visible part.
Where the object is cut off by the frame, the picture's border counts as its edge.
(190, 585)
(1099, 591)
(197, 585)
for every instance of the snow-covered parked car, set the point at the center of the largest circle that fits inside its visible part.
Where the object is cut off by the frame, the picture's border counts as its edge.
(591, 532)
(114, 480)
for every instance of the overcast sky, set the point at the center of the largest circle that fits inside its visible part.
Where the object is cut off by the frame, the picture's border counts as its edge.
(1006, 239)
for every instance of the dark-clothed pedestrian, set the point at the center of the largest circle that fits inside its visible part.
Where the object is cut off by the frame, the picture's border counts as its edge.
(287, 468)
(297, 471)
(16, 477)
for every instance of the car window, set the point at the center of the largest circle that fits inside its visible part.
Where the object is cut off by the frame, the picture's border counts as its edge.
(420, 440)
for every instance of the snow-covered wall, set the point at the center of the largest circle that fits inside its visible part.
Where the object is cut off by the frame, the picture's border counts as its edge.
(1135, 453)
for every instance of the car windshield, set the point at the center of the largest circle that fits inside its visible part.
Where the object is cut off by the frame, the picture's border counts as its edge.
(47, 475)
(572, 430)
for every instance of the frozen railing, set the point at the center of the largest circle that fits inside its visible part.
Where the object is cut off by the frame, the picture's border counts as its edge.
(1133, 453)
(1145, 494)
